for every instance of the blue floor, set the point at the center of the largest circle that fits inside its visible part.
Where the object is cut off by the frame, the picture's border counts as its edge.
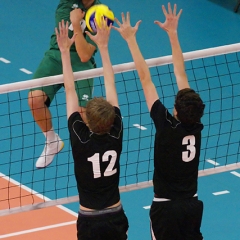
(203, 24)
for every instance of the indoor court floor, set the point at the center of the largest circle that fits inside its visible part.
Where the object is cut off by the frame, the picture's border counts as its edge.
(26, 27)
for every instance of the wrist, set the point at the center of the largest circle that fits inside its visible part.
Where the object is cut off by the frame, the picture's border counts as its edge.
(172, 33)
(102, 47)
(131, 41)
(76, 26)
(65, 52)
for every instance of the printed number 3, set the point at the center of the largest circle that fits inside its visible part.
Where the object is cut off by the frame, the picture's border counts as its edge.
(189, 155)
(95, 159)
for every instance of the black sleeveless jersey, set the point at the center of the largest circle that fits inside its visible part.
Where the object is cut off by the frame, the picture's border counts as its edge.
(96, 162)
(176, 155)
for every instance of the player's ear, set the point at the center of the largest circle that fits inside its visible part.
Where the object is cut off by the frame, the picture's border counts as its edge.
(174, 111)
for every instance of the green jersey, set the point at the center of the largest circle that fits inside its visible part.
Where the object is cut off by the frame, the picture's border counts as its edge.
(63, 13)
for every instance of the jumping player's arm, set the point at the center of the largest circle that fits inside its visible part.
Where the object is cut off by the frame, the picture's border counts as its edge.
(170, 26)
(101, 39)
(64, 44)
(84, 49)
(129, 35)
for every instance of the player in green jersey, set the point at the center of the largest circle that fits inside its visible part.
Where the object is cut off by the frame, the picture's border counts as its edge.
(82, 52)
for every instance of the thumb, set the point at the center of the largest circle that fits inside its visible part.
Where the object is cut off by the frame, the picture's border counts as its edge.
(73, 38)
(159, 24)
(115, 28)
(89, 34)
(138, 23)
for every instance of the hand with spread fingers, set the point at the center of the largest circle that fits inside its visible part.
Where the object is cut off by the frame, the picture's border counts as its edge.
(64, 42)
(171, 22)
(125, 29)
(103, 33)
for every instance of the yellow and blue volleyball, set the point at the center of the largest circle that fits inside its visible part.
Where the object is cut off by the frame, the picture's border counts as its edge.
(97, 12)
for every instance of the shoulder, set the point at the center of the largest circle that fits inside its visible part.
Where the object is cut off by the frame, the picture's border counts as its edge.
(117, 111)
(117, 128)
(75, 118)
(157, 109)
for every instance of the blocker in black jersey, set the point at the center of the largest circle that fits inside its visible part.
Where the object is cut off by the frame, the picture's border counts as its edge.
(96, 162)
(176, 212)
(176, 155)
(96, 136)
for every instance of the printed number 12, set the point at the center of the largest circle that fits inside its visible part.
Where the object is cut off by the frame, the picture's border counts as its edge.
(95, 159)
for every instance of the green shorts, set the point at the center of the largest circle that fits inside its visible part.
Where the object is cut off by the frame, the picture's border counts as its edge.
(51, 65)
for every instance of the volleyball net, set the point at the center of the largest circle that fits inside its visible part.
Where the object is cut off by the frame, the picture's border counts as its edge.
(214, 73)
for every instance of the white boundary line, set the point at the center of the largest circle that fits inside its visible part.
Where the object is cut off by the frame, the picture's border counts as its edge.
(235, 173)
(212, 162)
(221, 192)
(4, 60)
(37, 229)
(34, 193)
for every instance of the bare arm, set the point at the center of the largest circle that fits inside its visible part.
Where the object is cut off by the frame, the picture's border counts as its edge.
(101, 39)
(129, 35)
(85, 50)
(170, 26)
(64, 44)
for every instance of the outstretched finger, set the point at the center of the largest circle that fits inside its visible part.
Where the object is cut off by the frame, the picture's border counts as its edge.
(89, 34)
(169, 8)
(115, 28)
(179, 14)
(56, 32)
(164, 10)
(61, 28)
(104, 22)
(99, 25)
(117, 21)
(175, 9)
(123, 17)
(66, 26)
(159, 24)
(137, 24)
(73, 38)
(128, 17)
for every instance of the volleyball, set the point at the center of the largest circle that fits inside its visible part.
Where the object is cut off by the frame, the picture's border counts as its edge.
(97, 12)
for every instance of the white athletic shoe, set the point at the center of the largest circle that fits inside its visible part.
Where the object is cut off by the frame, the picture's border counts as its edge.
(49, 152)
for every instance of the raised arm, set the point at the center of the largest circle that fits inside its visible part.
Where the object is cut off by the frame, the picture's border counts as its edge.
(101, 39)
(64, 44)
(85, 50)
(129, 35)
(170, 26)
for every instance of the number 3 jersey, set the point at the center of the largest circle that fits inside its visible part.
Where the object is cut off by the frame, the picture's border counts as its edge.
(96, 162)
(176, 155)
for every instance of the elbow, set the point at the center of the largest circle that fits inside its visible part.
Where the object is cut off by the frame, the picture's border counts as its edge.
(145, 78)
(84, 57)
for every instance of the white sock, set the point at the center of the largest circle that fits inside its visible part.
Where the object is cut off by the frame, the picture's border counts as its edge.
(50, 135)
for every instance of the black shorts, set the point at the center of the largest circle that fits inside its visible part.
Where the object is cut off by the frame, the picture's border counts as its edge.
(104, 226)
(176, 219)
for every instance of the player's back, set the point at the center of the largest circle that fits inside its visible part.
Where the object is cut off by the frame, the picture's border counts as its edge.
(176, 155)
(96, 162)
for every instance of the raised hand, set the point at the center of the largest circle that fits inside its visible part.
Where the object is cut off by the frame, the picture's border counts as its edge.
(171, 22)
(64, 42)
(125, 28)
(76, 15)
(103, 32)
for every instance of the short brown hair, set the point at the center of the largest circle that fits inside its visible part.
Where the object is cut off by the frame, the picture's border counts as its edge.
(189, 106)
(100, 115)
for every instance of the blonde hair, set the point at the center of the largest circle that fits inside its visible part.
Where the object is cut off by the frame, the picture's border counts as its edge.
(100, 115)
